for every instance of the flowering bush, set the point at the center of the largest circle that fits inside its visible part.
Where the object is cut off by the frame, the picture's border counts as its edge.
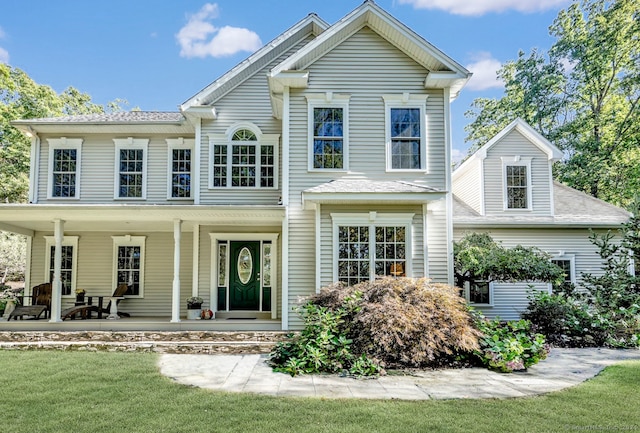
(11, 295)
(194, 301)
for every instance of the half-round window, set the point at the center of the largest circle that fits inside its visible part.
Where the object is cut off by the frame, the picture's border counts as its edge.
(244, 135)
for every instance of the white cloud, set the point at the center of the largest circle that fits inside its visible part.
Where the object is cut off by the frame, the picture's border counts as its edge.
(481, 7)
(200, 38)
(484, 70)
(4, 56)
(457, 155)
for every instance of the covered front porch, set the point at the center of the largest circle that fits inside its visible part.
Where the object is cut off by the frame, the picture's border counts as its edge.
(164, 253)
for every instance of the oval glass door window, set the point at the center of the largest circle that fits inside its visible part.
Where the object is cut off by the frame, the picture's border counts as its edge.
(245, 265)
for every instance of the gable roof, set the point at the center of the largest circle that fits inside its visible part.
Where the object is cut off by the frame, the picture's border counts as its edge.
(443, 71)
(552, 152)
(572, 208)
(312, 24)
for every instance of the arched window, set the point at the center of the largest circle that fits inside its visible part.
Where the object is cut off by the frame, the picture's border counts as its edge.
(247, 160)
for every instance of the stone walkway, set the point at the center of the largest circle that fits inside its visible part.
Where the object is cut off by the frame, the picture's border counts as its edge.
(250, 373)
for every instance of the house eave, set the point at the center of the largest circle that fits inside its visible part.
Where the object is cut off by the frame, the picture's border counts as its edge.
(553, 224)
(28, 218)
(311, 199)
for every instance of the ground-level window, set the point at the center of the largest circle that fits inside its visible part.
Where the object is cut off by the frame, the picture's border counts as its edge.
(366, 251)
(129, 263)
(478, 292)
(68, 264)
(566, 264)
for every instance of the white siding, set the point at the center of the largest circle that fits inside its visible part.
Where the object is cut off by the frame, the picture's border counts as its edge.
(510, 300)
(95, 270)
(468, 185)
(514, 144)
(97, 171)
(366, 67)
(571, 242)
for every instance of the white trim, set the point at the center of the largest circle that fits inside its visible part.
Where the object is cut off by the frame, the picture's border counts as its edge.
(218, 237)
(261, 140)
(128, 241)
(175, 288)
(64, 143)
(372, 220)
(571, 258)
(130, 143)
(195, 168)
(467, 295)
(67, 241)
(406, 100)
(180, 144)
(196, 260)
(318, 251)
(27, 274)
(425, 240)
(516, 161)
(34, 170)
(328, 100)
(286, 118)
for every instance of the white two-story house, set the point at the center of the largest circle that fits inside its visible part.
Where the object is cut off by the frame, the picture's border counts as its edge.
(324, 156)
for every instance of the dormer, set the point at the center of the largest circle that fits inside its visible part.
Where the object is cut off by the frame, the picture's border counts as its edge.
(510, 175)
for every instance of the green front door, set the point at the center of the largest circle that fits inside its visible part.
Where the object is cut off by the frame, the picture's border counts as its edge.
(244, 276)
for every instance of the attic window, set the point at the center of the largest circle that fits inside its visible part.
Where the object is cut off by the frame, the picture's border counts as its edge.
(517, 183)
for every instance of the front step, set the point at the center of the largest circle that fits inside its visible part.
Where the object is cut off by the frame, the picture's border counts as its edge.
(195, 342)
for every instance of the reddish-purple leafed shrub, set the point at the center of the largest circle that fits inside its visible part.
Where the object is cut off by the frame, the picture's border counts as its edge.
(404, 322)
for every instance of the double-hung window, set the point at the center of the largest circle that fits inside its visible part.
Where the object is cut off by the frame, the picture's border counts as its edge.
(328, 131)
(68, 265)
(366, 248)
(405, 132)
(128, 263)
(517, 183)
(131, 168)
(244, 158)
(64, 167)
(566, 263)
(179, 170)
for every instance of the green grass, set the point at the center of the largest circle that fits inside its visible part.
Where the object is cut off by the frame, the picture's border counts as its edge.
(123, 392)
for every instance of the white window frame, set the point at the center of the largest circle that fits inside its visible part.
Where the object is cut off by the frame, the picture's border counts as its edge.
(128, 241)
(179, 144)
(571, 258)
(262, 140)
(328, 100)
(64, 143)
(406, 100)
(517, 161)
(467, 294)
(130, 143)
(372, 220)
(67, 241)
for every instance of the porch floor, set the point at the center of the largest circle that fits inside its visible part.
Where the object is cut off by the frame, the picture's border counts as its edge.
(142, 324)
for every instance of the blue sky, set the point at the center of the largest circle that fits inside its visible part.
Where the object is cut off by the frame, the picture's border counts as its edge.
(158, 53)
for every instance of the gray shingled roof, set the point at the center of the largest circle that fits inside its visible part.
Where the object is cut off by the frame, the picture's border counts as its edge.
(119, 117)
(572, 207)
(369, 186)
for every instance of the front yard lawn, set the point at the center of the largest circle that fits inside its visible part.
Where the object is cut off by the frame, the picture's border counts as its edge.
(47, 391)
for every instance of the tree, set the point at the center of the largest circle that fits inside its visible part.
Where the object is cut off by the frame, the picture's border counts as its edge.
(22, 98)
(584, 96)
(13, 255)
(477, 257)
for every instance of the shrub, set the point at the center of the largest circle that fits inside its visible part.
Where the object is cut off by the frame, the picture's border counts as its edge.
(323, 345)
(387, 322)
(509, 346)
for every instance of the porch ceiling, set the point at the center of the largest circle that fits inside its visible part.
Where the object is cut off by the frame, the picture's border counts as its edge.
(29, 218)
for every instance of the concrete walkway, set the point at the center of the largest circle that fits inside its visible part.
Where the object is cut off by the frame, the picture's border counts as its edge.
(250, 373)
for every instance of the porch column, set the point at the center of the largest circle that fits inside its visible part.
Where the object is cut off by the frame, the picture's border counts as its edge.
(56, 287)
(175, 305)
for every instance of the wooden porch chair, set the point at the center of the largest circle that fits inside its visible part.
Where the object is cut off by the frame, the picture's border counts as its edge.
(40, 303)
(118, 293)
